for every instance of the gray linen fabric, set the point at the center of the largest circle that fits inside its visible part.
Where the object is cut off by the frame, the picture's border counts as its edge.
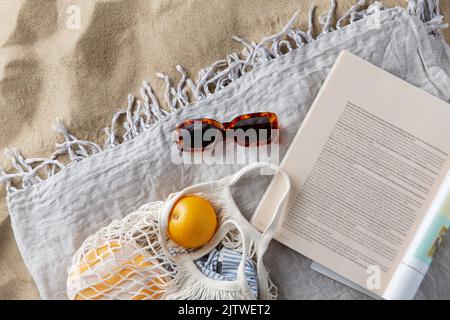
(52, 218)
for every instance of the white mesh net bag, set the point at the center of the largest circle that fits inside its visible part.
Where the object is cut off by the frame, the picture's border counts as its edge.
(133, 258)
(122, 261)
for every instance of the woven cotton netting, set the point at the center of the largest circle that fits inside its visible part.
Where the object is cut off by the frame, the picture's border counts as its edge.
(125, 260)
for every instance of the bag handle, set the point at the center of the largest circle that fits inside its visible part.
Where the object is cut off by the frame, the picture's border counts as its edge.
(272, 226)
(229, 224)
(217, 238)
(224, 229)
(276, 217)
(164, 222)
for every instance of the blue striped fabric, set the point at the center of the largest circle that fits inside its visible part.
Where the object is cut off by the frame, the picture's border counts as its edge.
(223, 265)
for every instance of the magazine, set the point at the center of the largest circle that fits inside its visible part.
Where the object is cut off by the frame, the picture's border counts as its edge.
(369, 168)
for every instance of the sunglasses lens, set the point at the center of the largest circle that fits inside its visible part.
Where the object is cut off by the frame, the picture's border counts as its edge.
(253, 130)
(197, 135)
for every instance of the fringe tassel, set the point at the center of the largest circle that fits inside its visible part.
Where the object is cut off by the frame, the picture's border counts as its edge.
(346, 16)
(140, 114)
(187, 285)
(428, 11)
(75, 148)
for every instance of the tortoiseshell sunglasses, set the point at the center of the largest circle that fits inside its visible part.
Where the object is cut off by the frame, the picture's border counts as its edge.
(263, 124)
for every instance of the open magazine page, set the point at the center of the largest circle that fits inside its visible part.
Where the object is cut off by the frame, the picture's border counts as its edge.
(414, 265)
(366, 165)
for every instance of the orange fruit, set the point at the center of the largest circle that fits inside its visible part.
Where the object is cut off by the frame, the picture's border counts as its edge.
(192, 222)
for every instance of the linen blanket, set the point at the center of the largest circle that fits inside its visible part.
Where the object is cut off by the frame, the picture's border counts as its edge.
(53, 216)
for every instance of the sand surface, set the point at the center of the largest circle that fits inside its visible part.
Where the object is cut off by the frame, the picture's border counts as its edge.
(49, 68)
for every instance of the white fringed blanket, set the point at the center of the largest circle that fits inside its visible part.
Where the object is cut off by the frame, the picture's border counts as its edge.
(55, 205)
